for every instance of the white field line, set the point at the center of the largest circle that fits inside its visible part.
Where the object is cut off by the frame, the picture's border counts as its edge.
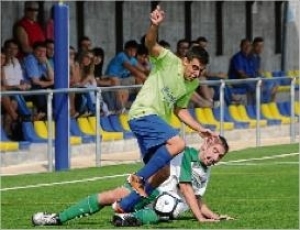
(258, 158)
(123, 175)
(264, 164)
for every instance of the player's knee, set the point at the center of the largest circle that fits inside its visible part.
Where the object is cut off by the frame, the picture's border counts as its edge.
(176, 145)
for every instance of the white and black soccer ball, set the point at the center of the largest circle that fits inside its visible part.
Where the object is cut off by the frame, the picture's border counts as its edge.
(37, 218)
(168, 205)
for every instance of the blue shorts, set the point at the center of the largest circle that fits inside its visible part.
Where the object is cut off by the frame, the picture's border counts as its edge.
(151, 132)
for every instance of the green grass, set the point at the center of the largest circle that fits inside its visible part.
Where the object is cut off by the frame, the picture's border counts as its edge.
(264, 195)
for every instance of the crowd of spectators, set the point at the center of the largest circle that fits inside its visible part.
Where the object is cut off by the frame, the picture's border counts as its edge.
(27, 63)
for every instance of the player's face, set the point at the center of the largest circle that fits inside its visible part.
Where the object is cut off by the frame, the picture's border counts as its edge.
(193, 69)
(212, 153)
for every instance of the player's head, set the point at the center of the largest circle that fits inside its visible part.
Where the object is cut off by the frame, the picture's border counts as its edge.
(213, 150)
(195, 62)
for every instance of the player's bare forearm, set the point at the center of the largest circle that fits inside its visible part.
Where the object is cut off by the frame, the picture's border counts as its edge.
(207, 212)
(189, 195)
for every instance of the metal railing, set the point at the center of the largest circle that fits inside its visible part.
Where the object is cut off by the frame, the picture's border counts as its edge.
(98, 90)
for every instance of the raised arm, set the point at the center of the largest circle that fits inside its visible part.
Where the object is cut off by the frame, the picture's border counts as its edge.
(156, 17)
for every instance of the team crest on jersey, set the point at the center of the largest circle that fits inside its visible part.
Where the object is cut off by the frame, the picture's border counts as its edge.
(168, 96)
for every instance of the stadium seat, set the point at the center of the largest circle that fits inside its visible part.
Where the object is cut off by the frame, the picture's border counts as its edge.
(30, 134)
(22, 145)
(75, 130)
(251, 110)
(116, 125)
(243, 113)
(42, 131)
(211, 119)
(201, 118)
(228, 118)
(275, 111)
(106, 136)
(268, 113)
(6, 144)
(297, 108)
(123, 118)
(176, 123)
(234, 112)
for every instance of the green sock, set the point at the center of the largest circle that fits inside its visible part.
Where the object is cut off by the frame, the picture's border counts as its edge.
(85, 207)
(146, 216)
(145, 201)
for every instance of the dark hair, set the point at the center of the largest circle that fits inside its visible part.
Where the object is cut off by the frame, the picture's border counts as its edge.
(131, 44)
(38, 44)
(243, 41)
(224, 143)
(142, 50)
(184, 40)
(201, 39)
(258, 39)
(9, 41)
(84, 38)
(49, 41)
(198, 52)
(164, 44)
(98, 52)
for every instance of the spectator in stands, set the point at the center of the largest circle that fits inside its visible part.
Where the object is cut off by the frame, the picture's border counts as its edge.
(123, 69)
(50, 51)
(28, 30)
(74, 80)
(39, 72)
(269, 88)
(12, 71)
(49, 32)
(143, 64)
(103, 81)
(212, 93)
(8, 106)
(182, 48)
(85, 44)
(165, 44)
(241, 67)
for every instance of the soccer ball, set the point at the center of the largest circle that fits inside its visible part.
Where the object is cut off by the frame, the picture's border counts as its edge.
(168, 205)
(37, 218)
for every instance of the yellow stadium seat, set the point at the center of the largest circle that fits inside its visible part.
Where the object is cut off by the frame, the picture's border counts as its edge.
(212, 120)
(266, 111)
(123, 118)
(284, 88)
(267, 74)
(41, 128)
(200, 116)
(29, 104)
(176, 123)
(297, 108)
(244, 115)
(106, 136)
(274, 110)
(235, 114)
(85, 126)
(7, 146)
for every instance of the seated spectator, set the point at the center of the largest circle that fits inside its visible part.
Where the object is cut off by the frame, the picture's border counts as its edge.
(103, 81)
(123, 69)
(182, 48)
(8, 107)
(269, 88)
(50, 51)
(39, 72)
(143, 64)
(212, 93)
(28, 30)
(240, 67)
(85, 44)
(165, 44)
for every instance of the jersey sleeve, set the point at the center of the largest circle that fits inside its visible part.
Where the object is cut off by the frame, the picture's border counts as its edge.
(186, 167)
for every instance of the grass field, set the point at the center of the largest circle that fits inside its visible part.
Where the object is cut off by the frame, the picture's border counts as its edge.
(258, 186)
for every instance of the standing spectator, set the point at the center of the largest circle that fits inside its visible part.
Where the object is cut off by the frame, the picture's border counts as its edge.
(39, 72)
(269, 88)
(28, 30)
(49, 32)
(123, 70)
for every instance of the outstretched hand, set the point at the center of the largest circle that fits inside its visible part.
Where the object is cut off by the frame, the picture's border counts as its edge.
(157, 16)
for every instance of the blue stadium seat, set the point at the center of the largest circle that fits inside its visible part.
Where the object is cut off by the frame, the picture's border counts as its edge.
(23, 145)
(227, 117)
(251, 110)
(75, 131)
(116, 126)
(30, 134)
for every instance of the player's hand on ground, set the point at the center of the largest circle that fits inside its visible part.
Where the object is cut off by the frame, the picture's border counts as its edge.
(226, 217)
(205, 220)
(157, 16)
